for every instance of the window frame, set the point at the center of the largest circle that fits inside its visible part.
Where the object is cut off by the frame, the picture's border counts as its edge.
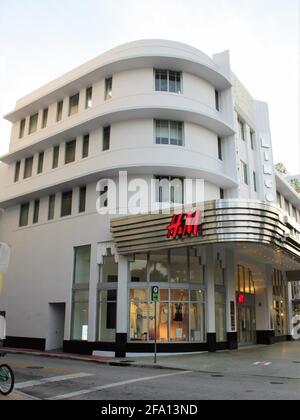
(72, 145)
(29, 175)
(64, 196)
(180, 127)
(32, 130)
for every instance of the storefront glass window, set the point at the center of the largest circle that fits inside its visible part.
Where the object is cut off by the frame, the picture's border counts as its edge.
(80, 315)
(196, 269)
(138, 269)
(82, 264)
(107, 315)
(221, 317)
(279, 303)
(109, 269)
(178, 266)
(159, 267)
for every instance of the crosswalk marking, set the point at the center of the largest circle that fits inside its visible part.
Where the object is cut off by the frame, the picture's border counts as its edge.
(114, 385)
(37, 382)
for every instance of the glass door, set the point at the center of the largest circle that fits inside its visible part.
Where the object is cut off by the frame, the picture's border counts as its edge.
(246, 325)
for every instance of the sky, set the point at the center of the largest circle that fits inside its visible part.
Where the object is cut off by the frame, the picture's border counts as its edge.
(42, 39)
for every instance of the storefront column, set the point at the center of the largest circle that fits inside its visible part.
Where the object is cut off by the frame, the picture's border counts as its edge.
(93, 295)
(231, 319)
(264, 310)
(122, 307)
(290, 313)
(210, 301)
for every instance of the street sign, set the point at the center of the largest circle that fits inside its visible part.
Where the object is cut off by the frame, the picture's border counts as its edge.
(155, 294)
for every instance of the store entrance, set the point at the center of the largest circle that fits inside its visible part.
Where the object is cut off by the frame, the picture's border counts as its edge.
(246, 320)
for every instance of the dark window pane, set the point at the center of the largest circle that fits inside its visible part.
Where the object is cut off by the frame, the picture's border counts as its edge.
(17, 171)
(82, 199)
(85, 146)
(51, 207)
(28, 167)
(89, 98)
(33, 123)
(24, 214)
(70, 152)
(36, 211)
(73, 104)
(106, 138)
(108, 88)
(45, 118)
(60, 106)
(55, 157)
(66, 204)
(40, 163)
(22, 128)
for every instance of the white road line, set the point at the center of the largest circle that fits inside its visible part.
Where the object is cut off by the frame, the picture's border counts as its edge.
(115, 385)
(29, 384)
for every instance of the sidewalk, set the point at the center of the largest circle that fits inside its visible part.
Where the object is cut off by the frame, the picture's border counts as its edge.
(16, 396)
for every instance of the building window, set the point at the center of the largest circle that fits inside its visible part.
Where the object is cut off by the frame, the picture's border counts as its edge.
(73, 104)
(287, 206)
(169, 190)
(254, 181)
(168, 81)
(33, 123)
(220, 148)
(22, 129)
(82, 199)
(222, 194)
(36, 211)
(28, 167)
(279, 303)
(242, 129)
(55, 157)
(70, 152)
(40, 163)
(106, 138)
(66, 203)
(217, 100)
(51, 207)
(45, 118)
(24, 214)
(245, 173)
(108, 88)
(252, 139)
(279, 199)
(107, 298)
(294, 213)
(169, 132)
(89, 98)
(17, 171)
(82, 265)
(85, 146)
(59, 111)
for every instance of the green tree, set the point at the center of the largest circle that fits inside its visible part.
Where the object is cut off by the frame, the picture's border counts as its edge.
(295, 183)
(281, 168)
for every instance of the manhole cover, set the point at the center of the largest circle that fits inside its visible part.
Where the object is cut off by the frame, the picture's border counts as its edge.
(35, 367)
(276, 383)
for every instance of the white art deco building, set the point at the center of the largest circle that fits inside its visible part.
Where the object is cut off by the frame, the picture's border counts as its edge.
(82, 281)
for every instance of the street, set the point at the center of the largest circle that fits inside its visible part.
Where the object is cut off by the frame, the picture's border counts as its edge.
(269, 373)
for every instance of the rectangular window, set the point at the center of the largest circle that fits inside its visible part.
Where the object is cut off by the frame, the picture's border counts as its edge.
(82, 199)
(85, 146)
(107, 315)
(22, 129)
(73, 104)
(33, 123)
(169, 132)
(24, 214)
(220, 148)
(169, 189)
(254, 181)
(242, 130)
(36, 211)
(252, 139)
(70, 152)
(222, 194)
(66, 203)
(279, 199)
(106, 138)
(287, 206)
(245, 173)
(45, 118)
(28, 167)
(168, 81)
(55, 157)
(40, 163)
(82, 264)
(217, 100)
(51, 207)
(294, 213)
(89, 98)
(108, 88)
(80, 312)
(17, 171)
(59, 112)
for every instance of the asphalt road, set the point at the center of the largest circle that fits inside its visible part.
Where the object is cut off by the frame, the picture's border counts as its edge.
(46, 378)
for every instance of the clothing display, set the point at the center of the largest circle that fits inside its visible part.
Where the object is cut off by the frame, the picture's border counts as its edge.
(178, 312)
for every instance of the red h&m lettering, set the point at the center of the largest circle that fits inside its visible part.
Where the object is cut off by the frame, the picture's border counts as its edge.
(183, 225)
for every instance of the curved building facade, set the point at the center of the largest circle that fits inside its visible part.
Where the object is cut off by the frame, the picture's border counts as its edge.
(153, 116)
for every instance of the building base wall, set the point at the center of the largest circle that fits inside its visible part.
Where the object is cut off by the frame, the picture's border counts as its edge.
(265, 337)
(25, 343)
